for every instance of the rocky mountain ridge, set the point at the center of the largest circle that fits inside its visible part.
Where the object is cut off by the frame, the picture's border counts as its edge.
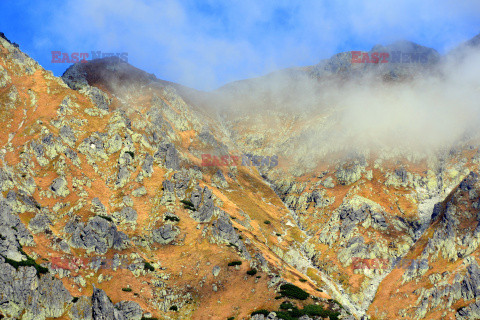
(103, 167)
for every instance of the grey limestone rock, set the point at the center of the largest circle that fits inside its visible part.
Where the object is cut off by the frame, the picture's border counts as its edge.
(203, 203)
(127, 214)
(169, 154)
(24, 294)
(350, 173)
(99, 98)
(223, 231)
(39, 223)
(216, 271)
(13, 233)
(59, 187)
(98, 207)
(82, 309)
(165, 234)
(97, 235)
(103, 308)
(139, 192)
(130, 309)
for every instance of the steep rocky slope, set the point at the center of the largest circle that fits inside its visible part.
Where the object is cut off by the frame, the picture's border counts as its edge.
(110, 211)
(104, 199)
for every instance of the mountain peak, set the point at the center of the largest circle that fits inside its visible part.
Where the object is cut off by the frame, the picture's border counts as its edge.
(474, 42)
(404, 46)
(2, 35)
(110, 72)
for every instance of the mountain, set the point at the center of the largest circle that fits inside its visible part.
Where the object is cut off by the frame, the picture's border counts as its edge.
(344, 190)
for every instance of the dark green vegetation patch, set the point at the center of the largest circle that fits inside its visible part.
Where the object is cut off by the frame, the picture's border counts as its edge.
(30, 262)
(291, 291)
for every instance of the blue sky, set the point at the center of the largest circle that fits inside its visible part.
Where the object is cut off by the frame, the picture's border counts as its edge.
(205, 44)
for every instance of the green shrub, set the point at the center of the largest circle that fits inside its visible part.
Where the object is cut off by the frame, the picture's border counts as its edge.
(171, 218)
(234, 263)
(127, 289)
(316, 310)
(188, 205)
(302, 280)
(291, 291)
(286, 305)
(295, 312)
(252, 272)
(148, 266)
(231, 318)
(30, 262)
(131, 154)
(285, 316)
(233, 245)
(267, 222)
(106, 218)
(75, 299)
(173, 308)
(261, 311)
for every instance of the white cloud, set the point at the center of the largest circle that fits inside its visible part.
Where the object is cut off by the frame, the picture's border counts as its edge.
(207, 43)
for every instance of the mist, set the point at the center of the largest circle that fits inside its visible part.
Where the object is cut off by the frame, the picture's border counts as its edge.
(206, 44)
(434, 111)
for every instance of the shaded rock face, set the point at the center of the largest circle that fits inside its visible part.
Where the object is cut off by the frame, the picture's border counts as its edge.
(350, 173)
(165, 234)
(102, 306)
(206, 136)
(127, 214)
(97, 235)
(82, 309)
(99, 306)
(98, 97)
(351, 217)
(98, 207)
(203, 203)
(6, 181)
(13, 233)
(168, 154)
(130, 309)
(25, 295)
(223, 231)
(39, 223)
(219, 180)
(104, 309)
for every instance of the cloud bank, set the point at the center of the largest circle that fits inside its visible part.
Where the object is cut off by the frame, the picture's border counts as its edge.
(205, 44)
